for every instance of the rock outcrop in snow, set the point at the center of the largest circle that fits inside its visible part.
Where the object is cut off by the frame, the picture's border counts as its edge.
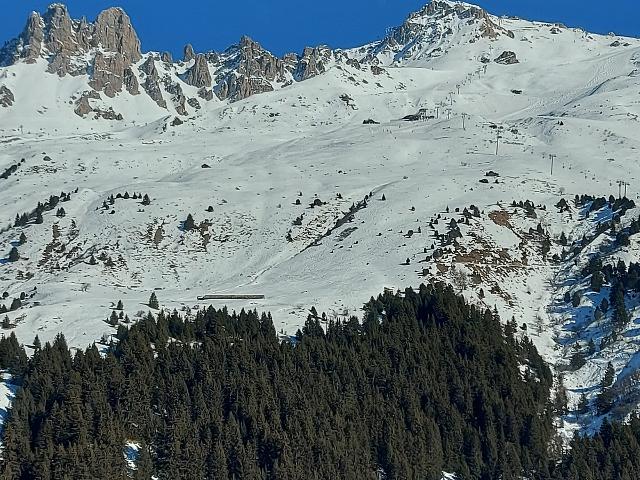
(249, 69)
(199, 75)
(507, 58)
(151, 83)
(6, 97)
(313, 62)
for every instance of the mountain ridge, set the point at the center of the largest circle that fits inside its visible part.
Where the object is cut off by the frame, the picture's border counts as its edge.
(107, 49)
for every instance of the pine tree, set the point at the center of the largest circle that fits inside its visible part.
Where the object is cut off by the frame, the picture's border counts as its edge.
(15, 304)
(23, 238)
(144, 464)
(596, 281)
(189, 223)
(576, 298)
(583, 404)
(39, 218)
(113, 319)
(604, 401)
(560, 400)
(620, 314)
(146, 200)
(14, 256)
(609, 376)
(153, 301)
(119, 306)
(563, 239)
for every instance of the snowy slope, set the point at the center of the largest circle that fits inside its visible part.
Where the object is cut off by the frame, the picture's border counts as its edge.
(572, 94)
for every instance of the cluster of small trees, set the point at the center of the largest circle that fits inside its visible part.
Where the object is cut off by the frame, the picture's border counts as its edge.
(612, 453)
(622, 279)
(15, 304)
(528, 206)
(125, 196)
(117, 315)
(619, 205)
(36, 215)
(10, 170)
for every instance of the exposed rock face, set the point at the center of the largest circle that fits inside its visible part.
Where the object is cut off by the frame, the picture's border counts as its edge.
(61, 66)
(151, 84)
(27, 46)
(427, 32)
(189, 54)
(6, 97)
(199, 75)
(249, 69)
(130, 81)
(64, 43)
(206, 94)
(84, 108)
(32, 38)
(177, 95)
(194, 103)
(312, 62)
(108, 73)
(166, 57)
(149, 67)
(507, 58)
(471, 13)
(353, 62)
(114, 32)
(60, 35)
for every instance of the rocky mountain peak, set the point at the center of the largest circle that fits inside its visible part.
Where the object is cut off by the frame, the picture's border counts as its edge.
(430, 31)
(111, 42)
(114, 33)
(189, 53)
(249, 69)
(57, 37)
(439, 10)
(313, 62)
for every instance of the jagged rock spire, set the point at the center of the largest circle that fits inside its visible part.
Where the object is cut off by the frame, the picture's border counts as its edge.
(57, 37)
(189, 53)
(199, 75)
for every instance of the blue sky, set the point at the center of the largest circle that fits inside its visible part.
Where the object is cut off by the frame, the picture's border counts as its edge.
(288, 25)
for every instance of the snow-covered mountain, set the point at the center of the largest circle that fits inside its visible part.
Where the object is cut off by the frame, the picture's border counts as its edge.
(306, 185)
